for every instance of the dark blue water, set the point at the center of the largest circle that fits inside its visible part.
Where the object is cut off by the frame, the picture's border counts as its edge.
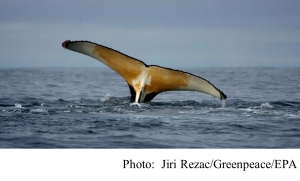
(90, 108)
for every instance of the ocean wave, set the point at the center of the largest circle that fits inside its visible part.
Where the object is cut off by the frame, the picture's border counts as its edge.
(292, 116)
(122, 105)
(38, 110)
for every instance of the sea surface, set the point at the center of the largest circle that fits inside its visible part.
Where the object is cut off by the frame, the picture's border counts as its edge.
(90, 108)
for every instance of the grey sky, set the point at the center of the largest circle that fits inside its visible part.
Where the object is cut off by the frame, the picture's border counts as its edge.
(190, 33)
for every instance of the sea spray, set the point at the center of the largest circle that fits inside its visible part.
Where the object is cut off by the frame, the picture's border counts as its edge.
(135, 104)
(105, 98)
(223, 103)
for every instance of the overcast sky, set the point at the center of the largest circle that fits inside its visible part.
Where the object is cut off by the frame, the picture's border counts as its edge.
(172, 33)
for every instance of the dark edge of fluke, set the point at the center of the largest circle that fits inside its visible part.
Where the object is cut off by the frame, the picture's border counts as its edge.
(65, 43)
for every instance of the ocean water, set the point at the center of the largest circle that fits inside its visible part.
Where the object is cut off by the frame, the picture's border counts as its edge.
(90, 108)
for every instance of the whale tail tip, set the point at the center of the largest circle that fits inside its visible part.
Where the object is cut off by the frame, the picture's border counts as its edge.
(65, 43)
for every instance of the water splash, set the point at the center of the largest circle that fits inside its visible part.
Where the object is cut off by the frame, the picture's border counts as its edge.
(18, 105)
(266, 105)
(38, 110)
(135, 104)
(223, 103)
(105, 98)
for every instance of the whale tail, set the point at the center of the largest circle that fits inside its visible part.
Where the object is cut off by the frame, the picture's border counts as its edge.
(144, 81)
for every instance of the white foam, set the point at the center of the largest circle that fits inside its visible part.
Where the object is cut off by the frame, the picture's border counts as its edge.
(38, 110)
(266, 105)
(18, 105)
(246, 109)
(105, 98)
(135, 104)
(258, 109)
(292, 116)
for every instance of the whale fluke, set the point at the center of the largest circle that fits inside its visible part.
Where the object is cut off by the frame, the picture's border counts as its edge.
(144, 81)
